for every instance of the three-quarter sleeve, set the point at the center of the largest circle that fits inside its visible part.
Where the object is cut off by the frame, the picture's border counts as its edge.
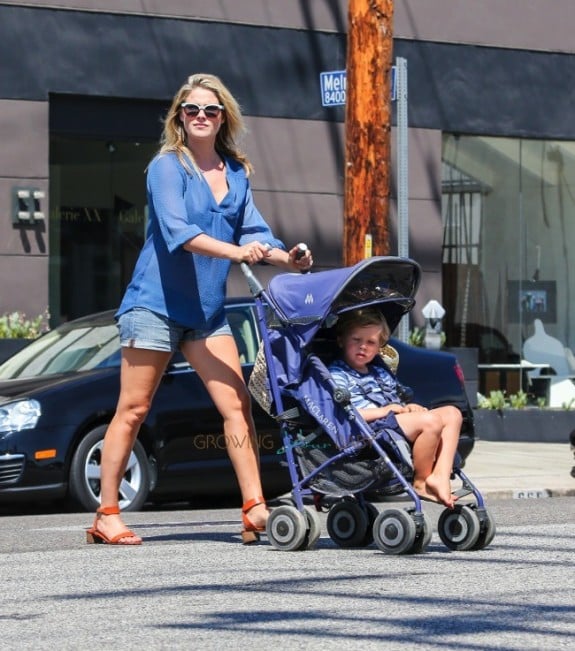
(167, 184)
(254, 227)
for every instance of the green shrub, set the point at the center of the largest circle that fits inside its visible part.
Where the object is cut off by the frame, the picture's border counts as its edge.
(496, 400)
(518, 400)
(416, 337)
(16, 325)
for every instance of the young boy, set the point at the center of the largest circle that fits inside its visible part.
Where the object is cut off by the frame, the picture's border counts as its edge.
(375, 393)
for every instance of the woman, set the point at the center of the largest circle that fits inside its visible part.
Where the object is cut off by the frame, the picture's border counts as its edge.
(201, 219)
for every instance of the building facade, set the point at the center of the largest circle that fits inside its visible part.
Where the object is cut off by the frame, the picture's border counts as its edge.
(84, 85)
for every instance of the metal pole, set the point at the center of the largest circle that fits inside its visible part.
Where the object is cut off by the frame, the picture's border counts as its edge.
(402, 176)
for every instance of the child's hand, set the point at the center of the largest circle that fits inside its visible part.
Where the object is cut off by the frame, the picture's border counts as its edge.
(412, 406)
(395, 408)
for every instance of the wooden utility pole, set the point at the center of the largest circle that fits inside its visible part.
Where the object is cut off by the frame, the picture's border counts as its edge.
(368, 129)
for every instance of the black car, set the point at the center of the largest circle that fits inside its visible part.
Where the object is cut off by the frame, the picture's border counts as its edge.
(58, 395)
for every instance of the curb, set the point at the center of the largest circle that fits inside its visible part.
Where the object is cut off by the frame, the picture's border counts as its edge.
(522, 493)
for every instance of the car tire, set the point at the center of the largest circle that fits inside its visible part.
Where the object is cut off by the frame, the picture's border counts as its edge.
(84, 480)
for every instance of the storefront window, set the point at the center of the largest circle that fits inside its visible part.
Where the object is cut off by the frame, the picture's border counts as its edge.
(97, 222)
(508, 214)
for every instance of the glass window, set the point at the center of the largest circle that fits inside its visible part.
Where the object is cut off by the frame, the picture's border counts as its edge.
(508, 215)
(97, 222)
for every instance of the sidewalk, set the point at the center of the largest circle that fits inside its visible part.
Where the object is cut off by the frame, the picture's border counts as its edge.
(502, 469)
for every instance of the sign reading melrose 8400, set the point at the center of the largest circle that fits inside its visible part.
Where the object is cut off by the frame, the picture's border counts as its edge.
(333, 86)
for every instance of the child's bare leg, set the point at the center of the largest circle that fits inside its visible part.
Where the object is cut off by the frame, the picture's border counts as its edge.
(438, 482)
(423, 430)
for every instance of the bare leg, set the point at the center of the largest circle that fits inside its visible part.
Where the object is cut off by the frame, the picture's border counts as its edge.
(438, 481)
(217, 362)
(141, 372)
(423, 430)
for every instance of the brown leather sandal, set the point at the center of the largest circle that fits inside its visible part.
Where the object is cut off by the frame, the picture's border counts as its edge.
(251, 532)
(94, 536)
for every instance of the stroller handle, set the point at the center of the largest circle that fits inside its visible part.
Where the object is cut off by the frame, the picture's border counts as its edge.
(254, 284)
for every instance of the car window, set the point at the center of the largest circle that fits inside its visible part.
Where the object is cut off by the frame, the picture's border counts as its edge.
(68, 349)
(63, 350)
(244, 328)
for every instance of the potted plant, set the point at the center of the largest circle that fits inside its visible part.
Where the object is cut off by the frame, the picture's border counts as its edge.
(501, 417)
(17, 330)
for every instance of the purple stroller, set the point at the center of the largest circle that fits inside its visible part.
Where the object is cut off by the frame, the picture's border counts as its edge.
(333, 456)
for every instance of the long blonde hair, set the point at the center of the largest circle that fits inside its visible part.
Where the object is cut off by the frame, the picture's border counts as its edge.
(232, 128)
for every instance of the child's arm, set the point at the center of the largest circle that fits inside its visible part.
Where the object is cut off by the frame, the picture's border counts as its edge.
(370, 414)
(413, 406)
(373, 413)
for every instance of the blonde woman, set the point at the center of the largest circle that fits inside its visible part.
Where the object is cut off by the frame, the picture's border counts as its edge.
(202, 218)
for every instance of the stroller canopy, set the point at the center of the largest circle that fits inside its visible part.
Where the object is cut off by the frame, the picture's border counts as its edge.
(305, 301)
(301, 304)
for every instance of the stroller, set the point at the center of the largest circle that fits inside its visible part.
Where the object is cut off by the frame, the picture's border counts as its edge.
(333, 456)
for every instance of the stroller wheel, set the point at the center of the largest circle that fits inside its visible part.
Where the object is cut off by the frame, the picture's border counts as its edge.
(287, 528)
(423, 537)
(394, 531)
(487, 532)
(372, 513)
(347, 524)
(459, 528)
(313, 528)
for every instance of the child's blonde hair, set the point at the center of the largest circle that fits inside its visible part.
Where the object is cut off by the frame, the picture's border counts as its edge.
(360, 319)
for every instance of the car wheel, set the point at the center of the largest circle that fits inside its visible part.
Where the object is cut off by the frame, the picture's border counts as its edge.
(84, 481)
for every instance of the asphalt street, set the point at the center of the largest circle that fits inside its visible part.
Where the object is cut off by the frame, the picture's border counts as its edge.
(192, 584)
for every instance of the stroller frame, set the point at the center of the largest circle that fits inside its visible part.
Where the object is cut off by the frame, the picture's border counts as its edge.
(387, 283)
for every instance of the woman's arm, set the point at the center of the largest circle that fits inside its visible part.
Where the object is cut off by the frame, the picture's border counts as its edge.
(252, 252)
(295, 259)
(255, 228)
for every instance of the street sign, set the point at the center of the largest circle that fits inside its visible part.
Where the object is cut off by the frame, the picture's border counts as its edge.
(334, 84)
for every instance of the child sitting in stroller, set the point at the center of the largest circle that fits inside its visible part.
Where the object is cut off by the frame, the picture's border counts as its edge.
(375, 393)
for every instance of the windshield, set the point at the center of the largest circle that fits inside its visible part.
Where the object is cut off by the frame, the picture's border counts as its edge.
(94, 342)
(64, 350)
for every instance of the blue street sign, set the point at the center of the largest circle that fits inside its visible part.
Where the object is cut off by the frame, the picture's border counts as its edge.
(333, 86)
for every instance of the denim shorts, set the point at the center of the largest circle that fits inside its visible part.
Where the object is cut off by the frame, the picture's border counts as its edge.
(142, 328)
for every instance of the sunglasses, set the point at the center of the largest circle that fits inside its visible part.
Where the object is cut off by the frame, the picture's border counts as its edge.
(210, 110)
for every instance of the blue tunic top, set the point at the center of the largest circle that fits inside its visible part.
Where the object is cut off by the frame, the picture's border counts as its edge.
(190, 288)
